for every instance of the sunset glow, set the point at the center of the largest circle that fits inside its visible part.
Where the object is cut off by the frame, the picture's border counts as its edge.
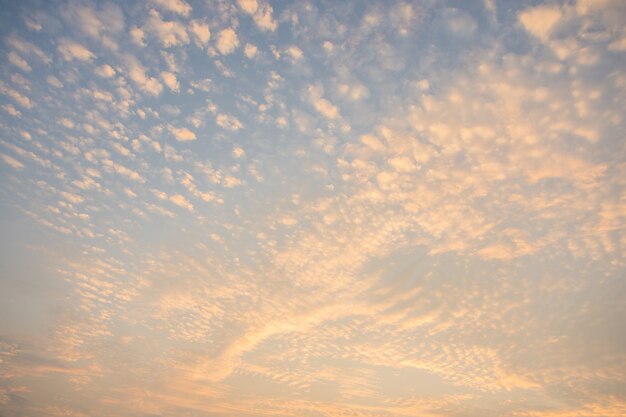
(243, 208)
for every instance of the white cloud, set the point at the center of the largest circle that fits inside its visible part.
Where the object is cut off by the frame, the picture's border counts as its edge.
(459, 22)
(19, 62)
(618, 45)
(248, 6)
(137, 73)
(289, 221)
(264, 19)
(325, 107)
(228, 122)
(183, 134)
(72, 198)
(93, 22)
(227, 41)
(170, 80)
(202, 85)
(105, 71)
(358, 200)
(584, 7)
(373, 143)
(230, 181)
(10, 108)
(123, 170)
(181, 201)
(282, 122)
(402, 164)
(27, 48)
(121, 149)
(201, 32)
(354, 92)
(67, 123)
(54, 81)
(540, 20)
(159, 194)
(71, 50)
(19, 98)
(137, 36)
(261, 12)
(32, 24)
(295, 52)
(12, 162)
(250, 50)
(170, 33)
(175, 6)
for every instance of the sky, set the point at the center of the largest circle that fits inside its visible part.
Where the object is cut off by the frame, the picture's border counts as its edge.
(312, 208)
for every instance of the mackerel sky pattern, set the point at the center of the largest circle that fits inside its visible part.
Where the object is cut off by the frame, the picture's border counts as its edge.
(312, 208)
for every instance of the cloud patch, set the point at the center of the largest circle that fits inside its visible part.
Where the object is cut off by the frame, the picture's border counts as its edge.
(71, 50)
(227, 41)
(182, 134)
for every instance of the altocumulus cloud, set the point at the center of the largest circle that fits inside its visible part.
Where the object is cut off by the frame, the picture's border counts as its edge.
(397, 208)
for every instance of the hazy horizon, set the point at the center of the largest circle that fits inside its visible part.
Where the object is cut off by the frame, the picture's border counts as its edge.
(313, 208)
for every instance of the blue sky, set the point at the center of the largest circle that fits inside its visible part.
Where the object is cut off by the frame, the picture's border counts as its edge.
(292, 208)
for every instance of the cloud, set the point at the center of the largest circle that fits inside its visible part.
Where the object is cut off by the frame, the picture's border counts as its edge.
(72, 198)
(261, 12)
(105, 71)
(137, 36)
(169, 78)
(402, 163)
(137, 72)
(27, 48)
(10, 109)
(67, 123)
(94, 22)
(539, 21)
(328, 237)
(264, 18)
(188, 182)
(54, 81)
(231, 181)
(618, 45)
(123, 170)
(71, 50)
(323, 106)
(183, 134)
(250, 51)
(373, 143)
(32, 24)
(12, 162)
(248, 6)
(19, 98)
(295, 53)
(201, 32)
(228, 122)
(459, 22)
(227, 41)
(181, 201)
(170, 33)
(19, 62)
(202, 85)
(238, 152)
(289, 221)
(354, 92)
(175, 6)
